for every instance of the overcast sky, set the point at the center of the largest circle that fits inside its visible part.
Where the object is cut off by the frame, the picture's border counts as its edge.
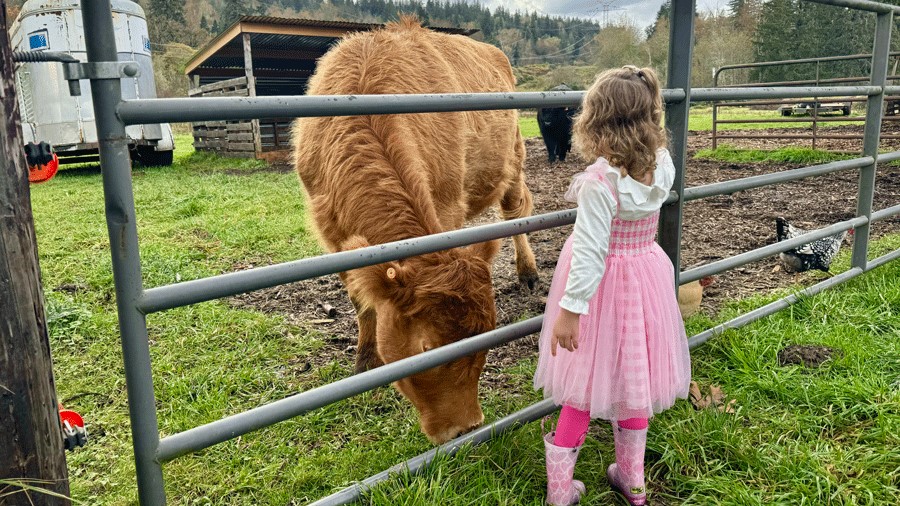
(642, 12)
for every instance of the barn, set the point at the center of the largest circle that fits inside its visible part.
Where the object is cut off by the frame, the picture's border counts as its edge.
(261, 56)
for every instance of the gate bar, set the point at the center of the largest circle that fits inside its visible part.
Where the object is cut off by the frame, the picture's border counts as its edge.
(878, 262)
(205, 289)
(772, 307)
(681, 43)
(862, 5)
(872, 132)
(121, 220)
(233, 283)
(235, 425)
(884, 214)
(735, 185)
(175, 110)
(710, 94)
(418, 463)
(888, 157)
(766, 251)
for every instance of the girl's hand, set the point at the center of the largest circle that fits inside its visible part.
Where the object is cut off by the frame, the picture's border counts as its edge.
(565, 331)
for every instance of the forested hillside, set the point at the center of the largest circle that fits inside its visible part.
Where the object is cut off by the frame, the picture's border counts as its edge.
(549, 50)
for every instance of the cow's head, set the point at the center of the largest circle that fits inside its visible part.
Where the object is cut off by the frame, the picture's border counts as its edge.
(425, 302)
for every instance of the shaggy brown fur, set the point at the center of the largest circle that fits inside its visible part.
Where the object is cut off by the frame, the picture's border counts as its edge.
(377, 179)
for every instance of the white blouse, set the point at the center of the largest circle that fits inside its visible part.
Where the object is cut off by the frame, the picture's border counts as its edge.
(596, 210)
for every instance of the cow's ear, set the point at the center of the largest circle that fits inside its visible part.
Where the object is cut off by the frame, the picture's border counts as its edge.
(369, 284)
(380, 282)
(485, 250)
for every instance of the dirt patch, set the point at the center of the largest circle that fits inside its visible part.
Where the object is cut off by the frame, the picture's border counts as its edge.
(806, 355)
(713, 229)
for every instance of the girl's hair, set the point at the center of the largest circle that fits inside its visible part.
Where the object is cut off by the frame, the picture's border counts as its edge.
(621, 118)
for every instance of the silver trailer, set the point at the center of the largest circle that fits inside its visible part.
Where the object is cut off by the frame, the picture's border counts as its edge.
(50, 113)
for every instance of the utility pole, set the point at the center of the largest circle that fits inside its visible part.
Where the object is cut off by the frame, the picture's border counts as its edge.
(31, 443)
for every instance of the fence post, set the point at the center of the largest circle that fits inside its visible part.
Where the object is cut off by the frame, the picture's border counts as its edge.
(121, 224)
(31, 442)
(681, 40)
(871, 136)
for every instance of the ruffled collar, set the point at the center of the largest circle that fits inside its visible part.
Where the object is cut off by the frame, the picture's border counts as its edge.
(630, 190)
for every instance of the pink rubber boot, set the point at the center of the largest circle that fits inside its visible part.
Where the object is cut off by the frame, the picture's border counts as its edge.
(626, 476)
(562, 490)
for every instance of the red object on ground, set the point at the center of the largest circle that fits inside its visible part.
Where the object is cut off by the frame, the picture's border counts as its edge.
(41, 173)
(74, 433)
(74, 419)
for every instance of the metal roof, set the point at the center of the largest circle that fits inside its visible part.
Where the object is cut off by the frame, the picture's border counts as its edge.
(278, 44)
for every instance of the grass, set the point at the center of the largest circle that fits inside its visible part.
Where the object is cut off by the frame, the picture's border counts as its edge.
(781, 155)
(701, 119)
(800, 156)
(823, 436)
(528, 126)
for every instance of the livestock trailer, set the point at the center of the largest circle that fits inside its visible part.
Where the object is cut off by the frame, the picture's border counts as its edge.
(50, 113)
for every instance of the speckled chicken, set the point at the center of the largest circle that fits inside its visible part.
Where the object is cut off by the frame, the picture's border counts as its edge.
(817, 254)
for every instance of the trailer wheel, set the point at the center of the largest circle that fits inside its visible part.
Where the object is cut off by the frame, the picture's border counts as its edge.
(149, 157)
(785, 112)
(846, 110)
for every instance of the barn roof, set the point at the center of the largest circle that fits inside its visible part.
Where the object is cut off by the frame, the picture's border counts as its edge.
(283, 49)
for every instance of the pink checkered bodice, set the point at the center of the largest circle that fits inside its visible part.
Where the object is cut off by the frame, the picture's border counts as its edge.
(633, 237)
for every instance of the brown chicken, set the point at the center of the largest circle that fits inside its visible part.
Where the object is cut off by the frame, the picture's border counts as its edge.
(691, 294)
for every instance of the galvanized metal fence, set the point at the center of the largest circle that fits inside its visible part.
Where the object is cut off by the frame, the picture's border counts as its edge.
(892, 102)
(134, 301)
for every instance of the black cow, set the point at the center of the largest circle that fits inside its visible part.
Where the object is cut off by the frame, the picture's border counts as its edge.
(556, 128)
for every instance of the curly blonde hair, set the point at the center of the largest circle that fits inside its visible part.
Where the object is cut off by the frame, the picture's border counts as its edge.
(621, 119)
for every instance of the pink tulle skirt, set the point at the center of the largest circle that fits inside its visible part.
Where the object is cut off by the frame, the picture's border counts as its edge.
(632, 359)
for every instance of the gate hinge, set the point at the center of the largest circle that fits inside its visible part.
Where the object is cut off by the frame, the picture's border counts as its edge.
(74, 71)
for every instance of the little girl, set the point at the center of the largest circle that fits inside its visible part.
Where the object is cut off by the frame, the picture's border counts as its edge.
(613, 345)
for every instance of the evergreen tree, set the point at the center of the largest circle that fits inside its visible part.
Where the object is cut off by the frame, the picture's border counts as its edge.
(232, 11)
(661, 15)
(775, 38)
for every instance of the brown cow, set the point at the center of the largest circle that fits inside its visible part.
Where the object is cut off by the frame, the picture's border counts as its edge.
(375, 179)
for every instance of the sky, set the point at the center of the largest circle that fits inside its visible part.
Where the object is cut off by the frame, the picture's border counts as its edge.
(642, 12)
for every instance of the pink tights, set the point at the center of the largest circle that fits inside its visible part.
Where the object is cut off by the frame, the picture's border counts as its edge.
(573, 425)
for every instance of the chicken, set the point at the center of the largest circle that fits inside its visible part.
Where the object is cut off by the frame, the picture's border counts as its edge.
(690, 295)
(814, 255)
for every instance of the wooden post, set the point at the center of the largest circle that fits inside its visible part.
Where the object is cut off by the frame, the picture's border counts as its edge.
(251, 91)
(31, 444)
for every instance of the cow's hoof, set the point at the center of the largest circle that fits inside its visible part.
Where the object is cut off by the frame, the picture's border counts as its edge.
(529, 279)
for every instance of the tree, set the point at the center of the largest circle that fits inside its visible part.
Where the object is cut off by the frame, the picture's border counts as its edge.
(661, 15)
(618, 45)
(775, 38)
(232, 11)
(718, 43)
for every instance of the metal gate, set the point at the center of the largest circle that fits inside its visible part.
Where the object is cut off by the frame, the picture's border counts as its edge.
(892, 102)
(135, 302)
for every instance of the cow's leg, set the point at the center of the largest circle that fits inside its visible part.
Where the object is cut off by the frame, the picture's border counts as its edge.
(564, 146)
(366, 345)
(551, 144)
(516, 203)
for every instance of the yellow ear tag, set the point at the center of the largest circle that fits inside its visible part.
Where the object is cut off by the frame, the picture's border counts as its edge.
(391, 273)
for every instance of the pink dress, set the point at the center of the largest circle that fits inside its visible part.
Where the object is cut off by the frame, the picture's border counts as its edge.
(632, 359)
